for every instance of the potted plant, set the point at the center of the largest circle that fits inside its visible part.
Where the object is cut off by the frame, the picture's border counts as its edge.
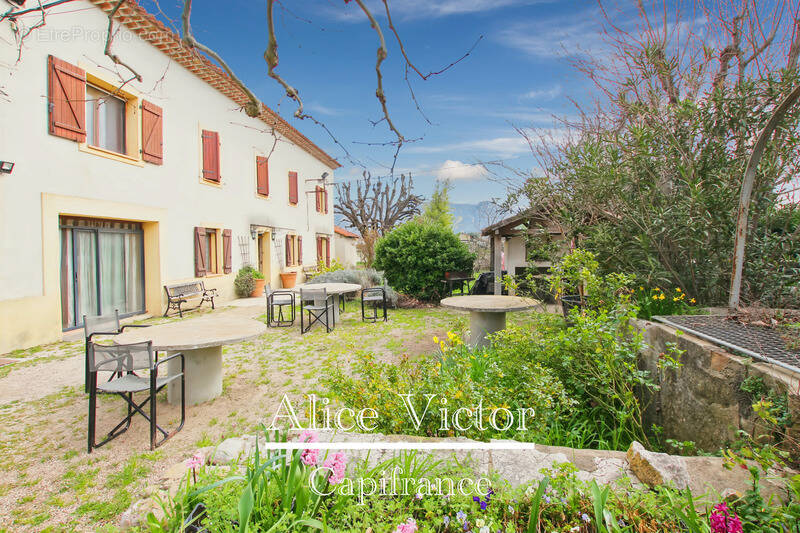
(245, 281)
(258, 284)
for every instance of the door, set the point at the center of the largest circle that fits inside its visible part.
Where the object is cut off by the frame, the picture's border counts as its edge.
(102, 269)
(264, 240)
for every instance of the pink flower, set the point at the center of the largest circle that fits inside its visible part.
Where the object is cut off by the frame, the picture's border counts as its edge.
(309, 457)
(337, 463)
(407, 527)
(196, 461)
(722, 521)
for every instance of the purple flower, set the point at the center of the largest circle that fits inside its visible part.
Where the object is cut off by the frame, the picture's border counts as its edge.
(585, 517)
(418, 496)
(722, 521)
(462, 516)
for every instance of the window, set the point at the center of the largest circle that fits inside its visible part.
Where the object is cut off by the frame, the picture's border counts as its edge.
(322, 199)
(210, 250)
(262, 176)
(324, 250)
(293, 196)
(211, 156)
(105, 120)
(212, 247)
(294, 250)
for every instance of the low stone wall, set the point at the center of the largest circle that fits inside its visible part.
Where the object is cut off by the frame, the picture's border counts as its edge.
(702, 401)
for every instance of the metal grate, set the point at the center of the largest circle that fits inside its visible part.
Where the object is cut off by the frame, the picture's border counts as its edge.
(244, 249)
(758, 342)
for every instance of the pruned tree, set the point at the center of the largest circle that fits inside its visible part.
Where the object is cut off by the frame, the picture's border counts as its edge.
(376, 205)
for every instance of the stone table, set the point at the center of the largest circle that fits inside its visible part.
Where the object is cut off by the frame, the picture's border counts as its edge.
(200, 340)
(487, 313)
(335, 289)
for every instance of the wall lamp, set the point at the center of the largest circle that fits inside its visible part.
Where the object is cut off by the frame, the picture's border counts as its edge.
(6, 167)
(253, 232)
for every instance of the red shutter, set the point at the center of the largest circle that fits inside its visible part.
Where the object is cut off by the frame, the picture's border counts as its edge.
(325, 200)
(211, 156)
(317, 195)
(200, 245)
(293, 188)
(288, 251)
(66, 99)
(226, 251)
(319, 249)
(262, 175)
(327, 251)
(300, 251)
(152, 135)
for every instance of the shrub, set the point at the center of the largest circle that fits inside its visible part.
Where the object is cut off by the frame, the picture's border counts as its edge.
(365, 277)
(245, 281)
(415, 257)
(655, 302)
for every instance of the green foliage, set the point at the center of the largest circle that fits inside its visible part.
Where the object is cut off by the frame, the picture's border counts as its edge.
(655, 194)
(657, 302)
(437, 209)
(415, 256)
(244, 283)
(323, 267)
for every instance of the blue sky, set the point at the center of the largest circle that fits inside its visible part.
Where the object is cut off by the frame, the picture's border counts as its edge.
(518, 75)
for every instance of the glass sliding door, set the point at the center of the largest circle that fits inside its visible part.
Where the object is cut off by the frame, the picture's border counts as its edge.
(102, 269)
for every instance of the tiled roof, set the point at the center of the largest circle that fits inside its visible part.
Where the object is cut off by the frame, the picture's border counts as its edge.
(150, 29)
(344, 233)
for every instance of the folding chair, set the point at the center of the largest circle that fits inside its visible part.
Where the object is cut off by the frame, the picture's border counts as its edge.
(374, 297)
(278, 300)
(123, 360)
(101, 325)
(321, 309)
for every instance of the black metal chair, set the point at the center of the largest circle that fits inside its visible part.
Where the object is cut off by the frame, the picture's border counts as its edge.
(278, 300)
(101, 325)
(123, 360)
(321, 309)
(375, 298)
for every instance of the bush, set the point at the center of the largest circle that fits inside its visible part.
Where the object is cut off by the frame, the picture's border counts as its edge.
(245, 281)
(365, 277)
(415, 257)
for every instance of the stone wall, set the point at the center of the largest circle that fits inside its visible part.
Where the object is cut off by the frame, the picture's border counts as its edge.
(702, 401)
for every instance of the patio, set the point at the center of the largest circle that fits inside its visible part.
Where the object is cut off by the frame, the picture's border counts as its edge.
(49, 480)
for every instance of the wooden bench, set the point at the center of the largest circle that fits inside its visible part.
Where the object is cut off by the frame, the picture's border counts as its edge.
(179, 293)
(461, 279)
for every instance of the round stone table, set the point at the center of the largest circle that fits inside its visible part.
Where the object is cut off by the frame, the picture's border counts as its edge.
(487, 313)
(335, 289)
(200, 340)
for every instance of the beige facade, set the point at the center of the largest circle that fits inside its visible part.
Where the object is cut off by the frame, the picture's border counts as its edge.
(57, 179)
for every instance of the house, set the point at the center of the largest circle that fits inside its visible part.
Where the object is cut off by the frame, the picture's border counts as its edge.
(344, 243)
(119, 188)
(516, 243)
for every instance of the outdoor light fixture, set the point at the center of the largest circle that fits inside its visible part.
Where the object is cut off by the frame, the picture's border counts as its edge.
(324, 175)
(6, 167)
(253, 232)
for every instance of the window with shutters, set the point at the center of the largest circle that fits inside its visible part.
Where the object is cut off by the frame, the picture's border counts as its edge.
(294, 250)
(212, 251)
(210, 151)
(262, 176)
(101, 117)
(323, 250)
(321, 195)
(293, 188)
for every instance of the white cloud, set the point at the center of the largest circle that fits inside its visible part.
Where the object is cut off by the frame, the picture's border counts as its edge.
(456, 170)
(415, 9)
(544, 94)
(499, 145)
(324, 110)
(556, 37)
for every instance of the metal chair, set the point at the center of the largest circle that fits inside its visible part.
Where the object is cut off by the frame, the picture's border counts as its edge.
(376, 298)
(321, 309)
(278, 300)
(101, 325)
(123, 360)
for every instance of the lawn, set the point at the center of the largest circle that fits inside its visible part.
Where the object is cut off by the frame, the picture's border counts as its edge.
(49, 483)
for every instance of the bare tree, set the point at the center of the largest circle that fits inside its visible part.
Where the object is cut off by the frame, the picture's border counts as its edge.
(377, 204)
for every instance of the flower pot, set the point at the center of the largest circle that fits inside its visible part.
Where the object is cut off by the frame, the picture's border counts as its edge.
(288, 279)
(258, 288)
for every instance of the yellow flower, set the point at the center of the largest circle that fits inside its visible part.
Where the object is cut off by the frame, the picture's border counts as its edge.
(435, 340)
(655, 297)
(641, 288)
(677, 289)
(657, 289)
(675, 299)
(661, 297)
(693, 300)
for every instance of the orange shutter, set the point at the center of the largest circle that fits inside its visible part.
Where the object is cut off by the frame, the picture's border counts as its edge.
(288, 251)
(319, 249)
(325, 200)
(66, 99)
(226, 251)
(327, 251)
(211, 156)
(293, 188)
(262, 175)
(300, 251)
(317, 195)
(200, 245)
(152, 134)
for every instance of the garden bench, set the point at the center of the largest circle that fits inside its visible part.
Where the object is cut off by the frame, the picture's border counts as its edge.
(179, 293)
(459, 278)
